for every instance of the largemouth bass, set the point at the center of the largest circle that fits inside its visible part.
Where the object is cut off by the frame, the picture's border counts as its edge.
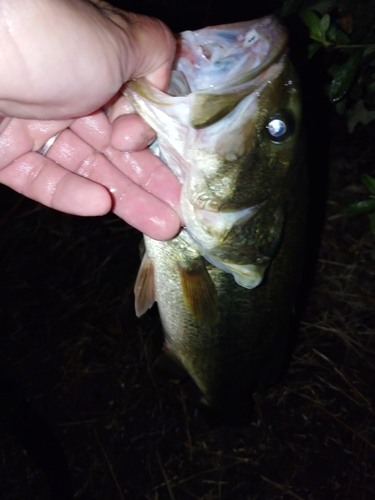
(229, 129)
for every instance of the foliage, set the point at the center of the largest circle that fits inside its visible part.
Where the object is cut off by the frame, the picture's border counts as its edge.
(345, 29)
(365, 206)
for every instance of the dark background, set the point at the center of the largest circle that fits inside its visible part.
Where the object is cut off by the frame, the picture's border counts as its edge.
(82, 411)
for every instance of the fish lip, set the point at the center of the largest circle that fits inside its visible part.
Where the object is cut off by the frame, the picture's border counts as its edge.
(207, 96)
(271, 31)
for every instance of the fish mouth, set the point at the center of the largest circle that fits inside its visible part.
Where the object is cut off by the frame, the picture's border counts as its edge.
(210, 63)
(214, 70)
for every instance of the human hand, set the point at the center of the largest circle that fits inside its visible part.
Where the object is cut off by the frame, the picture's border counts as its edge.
(61, 63)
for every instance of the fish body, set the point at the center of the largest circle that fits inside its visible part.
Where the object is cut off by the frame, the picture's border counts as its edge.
(229, 128)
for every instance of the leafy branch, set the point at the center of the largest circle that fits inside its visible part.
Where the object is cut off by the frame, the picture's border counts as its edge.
(365, 206)
(346, 31)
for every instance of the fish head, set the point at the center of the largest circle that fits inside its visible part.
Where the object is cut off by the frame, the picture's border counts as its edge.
(245, 159)
(228, 128)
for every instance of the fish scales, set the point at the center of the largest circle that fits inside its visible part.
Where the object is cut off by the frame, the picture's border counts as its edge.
(229, 128)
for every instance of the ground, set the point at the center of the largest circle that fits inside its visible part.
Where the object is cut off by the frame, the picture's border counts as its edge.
(72, 348)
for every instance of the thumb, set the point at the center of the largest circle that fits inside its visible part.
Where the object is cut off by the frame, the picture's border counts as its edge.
(148, 46)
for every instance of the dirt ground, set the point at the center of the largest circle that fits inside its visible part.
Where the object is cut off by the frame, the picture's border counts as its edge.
(73, 352)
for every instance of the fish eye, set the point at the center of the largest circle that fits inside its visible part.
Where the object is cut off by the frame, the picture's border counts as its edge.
(280, 127)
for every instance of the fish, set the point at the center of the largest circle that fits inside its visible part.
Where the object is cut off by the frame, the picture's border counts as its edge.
(229, 127)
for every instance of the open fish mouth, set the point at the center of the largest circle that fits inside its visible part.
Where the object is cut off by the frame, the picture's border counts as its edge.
(214, 69)
(208, 61)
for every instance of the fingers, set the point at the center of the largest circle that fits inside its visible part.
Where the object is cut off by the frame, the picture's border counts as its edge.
(18, 137)
(142, 167)
(46, 74)
(88, 169)
(152, 47)
(119, 106)
(44, 181)
(156, 63)
(131, 133)
(106, 176)
(118, 172)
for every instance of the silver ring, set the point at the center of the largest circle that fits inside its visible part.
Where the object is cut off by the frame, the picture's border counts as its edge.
(44, 149)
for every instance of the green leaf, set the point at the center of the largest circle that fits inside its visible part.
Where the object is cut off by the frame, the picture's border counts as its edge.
(360, 207)
(313, 47)
(368, 182)
(337, 36)
(344, 76)
(324, 24)
(372, 222)
(312, 21)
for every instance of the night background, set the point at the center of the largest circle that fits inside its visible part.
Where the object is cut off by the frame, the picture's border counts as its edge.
(82, 414)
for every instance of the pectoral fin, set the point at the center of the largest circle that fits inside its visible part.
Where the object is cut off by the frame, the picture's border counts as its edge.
(144, 288)
(199, 292)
